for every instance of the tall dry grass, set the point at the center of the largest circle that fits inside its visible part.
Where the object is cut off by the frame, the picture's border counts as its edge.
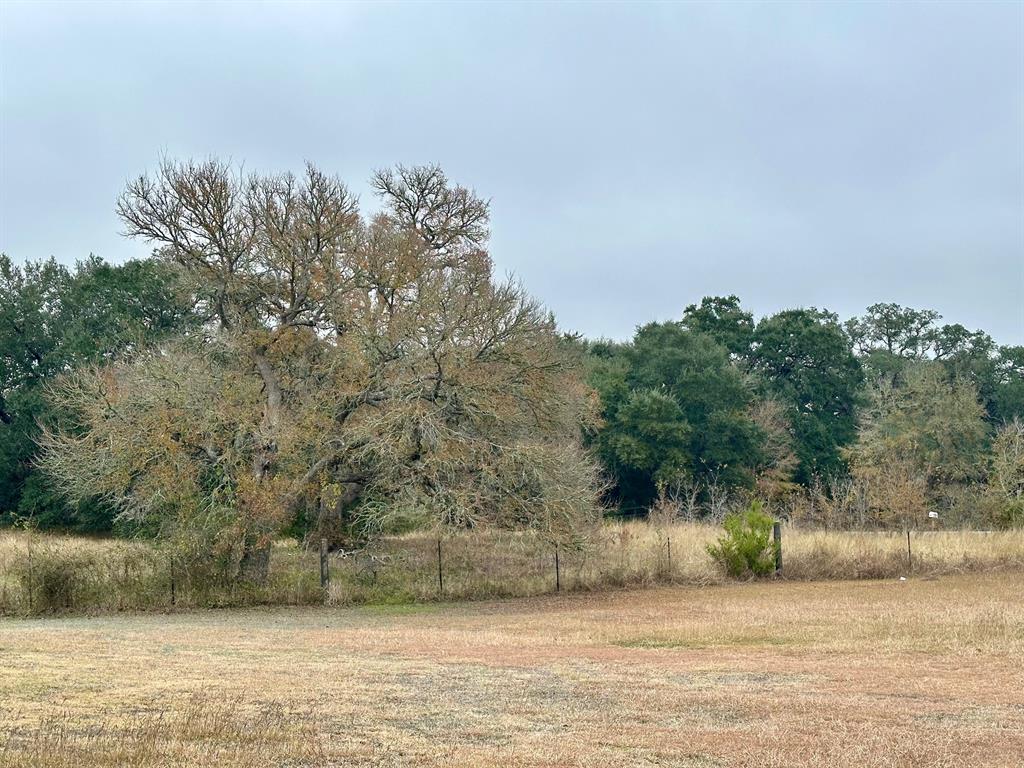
(819, 555)
(42, 574)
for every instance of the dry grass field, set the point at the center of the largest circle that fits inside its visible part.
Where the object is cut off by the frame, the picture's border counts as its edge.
(924, 672)
(47, 574)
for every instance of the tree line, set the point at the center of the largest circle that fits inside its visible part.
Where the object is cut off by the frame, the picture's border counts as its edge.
(286, 364)
(919, 415)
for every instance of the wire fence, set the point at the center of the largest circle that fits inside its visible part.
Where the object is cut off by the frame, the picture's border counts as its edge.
(42, 574)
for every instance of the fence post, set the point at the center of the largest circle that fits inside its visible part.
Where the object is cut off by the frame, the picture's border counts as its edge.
(440, 571)
(558, 573)
(777, 538)
(668, 542)
(325, 568)
(31, 581)
(124, 586)
(173, 596)
(910, 561)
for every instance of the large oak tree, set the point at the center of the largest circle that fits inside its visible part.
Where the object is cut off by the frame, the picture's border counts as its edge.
(360, 367)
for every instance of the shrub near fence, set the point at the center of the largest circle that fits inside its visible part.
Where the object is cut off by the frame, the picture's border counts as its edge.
(43, 574)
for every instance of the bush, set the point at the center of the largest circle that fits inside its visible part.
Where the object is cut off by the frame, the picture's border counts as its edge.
(746, 549)
(1008, 513)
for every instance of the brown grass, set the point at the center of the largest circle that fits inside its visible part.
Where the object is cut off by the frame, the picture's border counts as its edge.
(77, 575)
(918, 673)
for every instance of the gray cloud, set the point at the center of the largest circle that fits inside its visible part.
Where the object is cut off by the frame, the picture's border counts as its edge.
(638, 157)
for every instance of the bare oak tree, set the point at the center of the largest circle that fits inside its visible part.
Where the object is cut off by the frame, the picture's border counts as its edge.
(365, 368)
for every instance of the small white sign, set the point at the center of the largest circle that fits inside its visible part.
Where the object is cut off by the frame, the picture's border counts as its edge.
(933, 515)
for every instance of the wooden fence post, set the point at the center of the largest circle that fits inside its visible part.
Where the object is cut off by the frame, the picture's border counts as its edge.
(440, 571)
(668, 543)
(910, 561)
(173, 596)
(777, 538)
(31, 581)
(325, 568)
(558, 573)
(124, 586)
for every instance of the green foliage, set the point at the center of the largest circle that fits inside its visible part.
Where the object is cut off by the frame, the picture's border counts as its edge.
(722, 318)
(936, 424)
(674, 404)
(891, 338)
(53, 319)
(1007, 401)
(747, 548)
(899, 331)
(1009, 513)
(804, 356)
(650, 433)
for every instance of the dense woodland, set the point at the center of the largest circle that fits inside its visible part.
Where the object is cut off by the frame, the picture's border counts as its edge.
(874, 421)
(285, 365)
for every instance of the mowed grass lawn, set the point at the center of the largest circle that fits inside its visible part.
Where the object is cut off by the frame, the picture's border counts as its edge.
(870, 673)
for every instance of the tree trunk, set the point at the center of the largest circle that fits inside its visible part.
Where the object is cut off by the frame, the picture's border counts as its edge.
(254, 566)
(331, 520)
(266, 437)
(272, 387)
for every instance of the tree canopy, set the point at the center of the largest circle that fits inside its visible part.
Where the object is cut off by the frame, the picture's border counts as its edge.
(676, 406)
(284, 363)
(53, 319)
(804, 357)
(723, 319)
(350, 369)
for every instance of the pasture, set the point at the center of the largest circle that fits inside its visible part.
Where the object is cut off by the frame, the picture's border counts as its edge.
(923, 672)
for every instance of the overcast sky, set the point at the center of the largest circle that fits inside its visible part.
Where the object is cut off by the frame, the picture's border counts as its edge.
(637, 157)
